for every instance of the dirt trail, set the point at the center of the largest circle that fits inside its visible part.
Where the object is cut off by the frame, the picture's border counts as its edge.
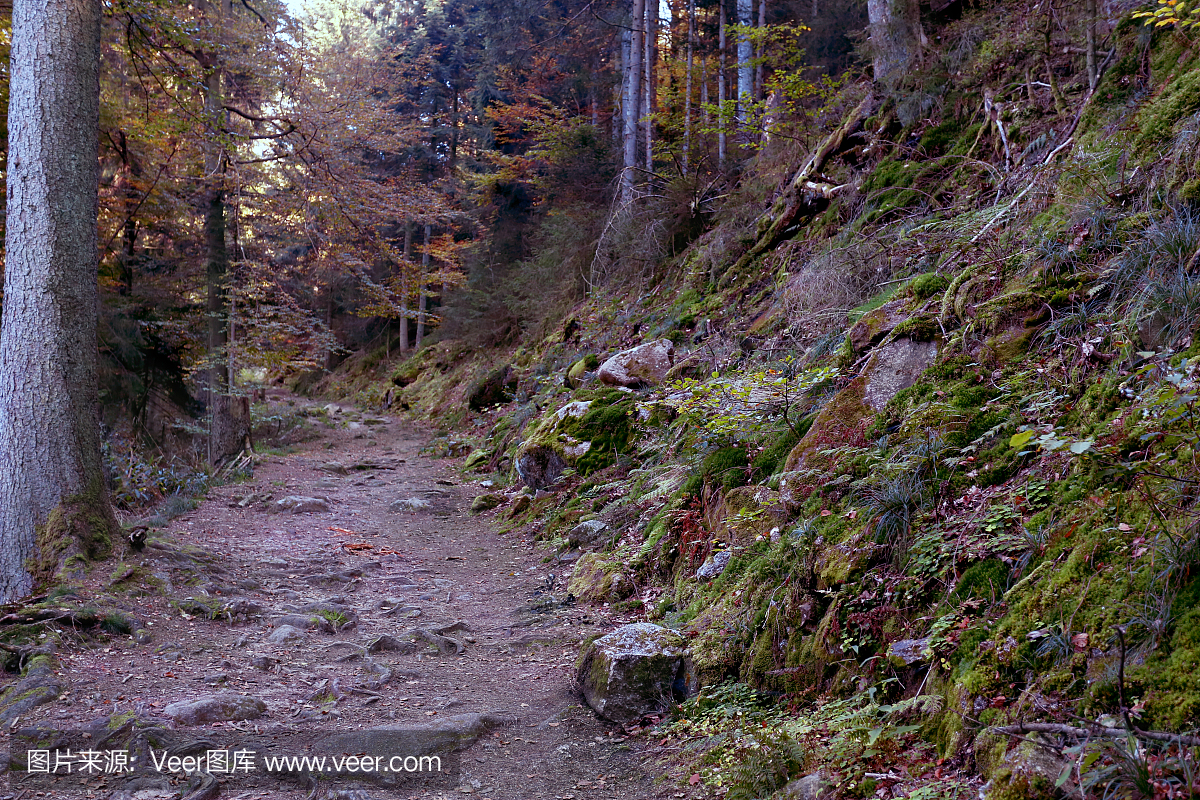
(374, 571)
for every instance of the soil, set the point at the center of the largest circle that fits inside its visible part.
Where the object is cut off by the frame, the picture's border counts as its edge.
(378, 571)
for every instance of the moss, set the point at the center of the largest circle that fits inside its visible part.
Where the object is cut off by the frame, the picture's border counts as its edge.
(922, 329)
(1179, 99)
(986, 580)
(79, 529)
(928, 284)
(774, 456)
(727, 467)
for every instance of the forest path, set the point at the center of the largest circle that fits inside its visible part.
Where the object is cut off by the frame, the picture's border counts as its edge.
(427, 566)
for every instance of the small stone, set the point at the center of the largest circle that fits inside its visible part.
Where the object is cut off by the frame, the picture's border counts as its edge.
(520, 505)
(265, 663)
(285, 634)
(296, 504)
(305, 622)
(409, 504)
(223, 707)
(713, 566)
(486, 502)
(907, 652)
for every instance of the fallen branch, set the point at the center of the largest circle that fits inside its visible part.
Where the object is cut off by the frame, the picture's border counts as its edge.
(805, 196)
(1094, 731)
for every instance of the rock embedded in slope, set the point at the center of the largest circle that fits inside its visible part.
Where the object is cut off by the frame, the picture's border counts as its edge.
(714, 565)
(588, 533)
(285, 634)
(296, 504)
(633, 671)
(223, 707)
(486, 502)
(639, 367)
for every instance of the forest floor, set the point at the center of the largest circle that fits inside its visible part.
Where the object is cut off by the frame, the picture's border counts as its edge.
(371, 570)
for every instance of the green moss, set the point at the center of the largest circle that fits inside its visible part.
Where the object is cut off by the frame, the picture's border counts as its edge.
(79, 530)
(986, 580)
(774, 456)
(727, 467)
(928, 284)
(923, 329)
(1157, 119)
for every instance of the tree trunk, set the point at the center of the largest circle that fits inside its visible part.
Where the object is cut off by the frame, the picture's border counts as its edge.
(408, 232)
(687, 92)
(760, 92)
(745, 57)
(229, 416)
(632, 101)
(649, 81)
(53, 498)
(895, 38)
(722, 91)
(421, 303)
(1089, 15)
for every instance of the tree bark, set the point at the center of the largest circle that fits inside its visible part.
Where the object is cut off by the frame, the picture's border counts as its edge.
(404, 270)
(687, 92)
(649, 81)
(229, 416)
(745, 55)
(760, 67)
(631, 102)
(1090, 14)
(895, 38)
(53, 496)
(421, 303)
(722, 91)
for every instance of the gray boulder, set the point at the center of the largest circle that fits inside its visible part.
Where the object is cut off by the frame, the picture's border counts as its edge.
(907, 652)
(639, 367)
(305, 622)
(539, 466)
(285, 634)
(714, 565)
(588, 533)
(811, 787)
(223, 707)
(894, 367)
(296, 504)
(633, 671)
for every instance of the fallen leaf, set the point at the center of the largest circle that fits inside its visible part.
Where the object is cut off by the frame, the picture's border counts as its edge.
(694, 779)
(1080, 642)
(1124, 526)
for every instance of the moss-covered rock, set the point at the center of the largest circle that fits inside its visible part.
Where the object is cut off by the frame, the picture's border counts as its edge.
(634, 671)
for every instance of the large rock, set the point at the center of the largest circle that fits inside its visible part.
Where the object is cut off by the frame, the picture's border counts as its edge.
(37, 687)
(894, 367)
(811, 787)
(633, 671)
(639, 367)
(875, 325)
(223, 707)
(540, 466)
(588, 533)
(714, 565)
(285, 634)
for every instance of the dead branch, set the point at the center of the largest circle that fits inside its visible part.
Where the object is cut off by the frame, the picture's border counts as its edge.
(1094, 731)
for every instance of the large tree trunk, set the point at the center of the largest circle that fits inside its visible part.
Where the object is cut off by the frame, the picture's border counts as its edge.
(53, 498)
(745, 57)
(631, 102)
(896, 38)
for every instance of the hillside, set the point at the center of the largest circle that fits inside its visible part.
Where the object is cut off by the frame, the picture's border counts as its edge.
(913, 465)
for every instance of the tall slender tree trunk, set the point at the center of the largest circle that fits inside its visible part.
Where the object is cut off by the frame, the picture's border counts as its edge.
(896, 38)
(722, 92)
(52, 487)
(687, 92)
(632, 101)
(421, 303)
(649, 82)
(745, 58)
(1089, 15)
(404, 271)
(760, 67)
(229, 416)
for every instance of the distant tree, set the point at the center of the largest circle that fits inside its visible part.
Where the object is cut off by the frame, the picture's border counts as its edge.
(53, 496)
